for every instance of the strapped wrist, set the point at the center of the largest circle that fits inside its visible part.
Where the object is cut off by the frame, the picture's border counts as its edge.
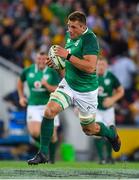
(68, 56)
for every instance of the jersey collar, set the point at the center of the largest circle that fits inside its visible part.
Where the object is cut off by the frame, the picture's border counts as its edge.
(36, 69)
(81, 34)
(85, 31)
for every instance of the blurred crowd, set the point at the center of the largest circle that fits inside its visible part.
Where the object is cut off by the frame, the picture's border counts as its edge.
(27, 26)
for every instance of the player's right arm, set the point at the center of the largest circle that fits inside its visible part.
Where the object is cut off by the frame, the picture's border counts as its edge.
(20, 89)
(90, 51)
(50, 64)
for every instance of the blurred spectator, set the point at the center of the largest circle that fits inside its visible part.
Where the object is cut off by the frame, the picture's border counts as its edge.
(134, 108)
(46, 12)
(61, 10)
(118, 44)
(6, 48)
(123, 113)
(31, 4)
(45, 41)
(21, 16)
(29, 53)
(26, 36)
(124, 68)
(2, 32)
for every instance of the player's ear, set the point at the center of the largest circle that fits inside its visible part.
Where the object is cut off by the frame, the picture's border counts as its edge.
(83, 27)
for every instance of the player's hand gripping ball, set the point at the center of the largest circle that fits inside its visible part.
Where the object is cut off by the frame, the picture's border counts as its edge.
(58, 62)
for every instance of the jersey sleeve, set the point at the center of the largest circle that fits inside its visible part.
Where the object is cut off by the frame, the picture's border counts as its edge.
(55, 78)
(90, 45)
(116, 82)
(23, 75)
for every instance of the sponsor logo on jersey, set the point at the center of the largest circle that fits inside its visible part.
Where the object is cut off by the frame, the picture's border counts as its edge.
(101, 92)
(37, 84)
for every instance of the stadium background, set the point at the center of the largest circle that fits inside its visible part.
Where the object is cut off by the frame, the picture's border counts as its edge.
(27, 26)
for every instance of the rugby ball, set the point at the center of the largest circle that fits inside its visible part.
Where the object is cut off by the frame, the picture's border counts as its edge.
(58, 62)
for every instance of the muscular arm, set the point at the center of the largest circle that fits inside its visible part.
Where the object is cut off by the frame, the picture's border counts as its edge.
(88, 64)
(118, 94)
(50, 88)
(60, 71)
(20, 89)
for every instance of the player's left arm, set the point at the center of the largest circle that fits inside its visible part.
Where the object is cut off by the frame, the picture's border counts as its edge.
(49, 87)
(52, 82)
(87, 64)
(49, 63)
(117, 95)
(90, 51)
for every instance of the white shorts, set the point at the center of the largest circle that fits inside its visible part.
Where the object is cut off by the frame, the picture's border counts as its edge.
(106, 116)
(86, 102)
(36, 113)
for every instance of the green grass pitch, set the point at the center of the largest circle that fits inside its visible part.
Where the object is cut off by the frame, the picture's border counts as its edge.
(68, 170)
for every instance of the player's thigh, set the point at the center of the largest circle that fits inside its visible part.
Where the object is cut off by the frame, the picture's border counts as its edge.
(109, 117)
(35, 113)
(99, 116)
(62, 96)
(87, 105)
(34, 118)
(56, 121)
(34, 128)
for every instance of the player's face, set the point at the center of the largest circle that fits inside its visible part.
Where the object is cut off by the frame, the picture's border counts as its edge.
(101, 67)
(75, 28)
(40, 60)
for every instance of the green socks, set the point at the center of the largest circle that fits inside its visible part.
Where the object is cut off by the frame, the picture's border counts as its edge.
(52, 151)
(47, 127)
(99, 144)
(103, 148)
(37, 141)
(105, 131)
(108, 149)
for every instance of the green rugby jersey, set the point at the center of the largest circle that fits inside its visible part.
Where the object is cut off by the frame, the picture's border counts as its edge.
(107, 84)
(39, 95)
(86, 44)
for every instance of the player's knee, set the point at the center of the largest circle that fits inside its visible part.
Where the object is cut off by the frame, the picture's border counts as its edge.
(52, 109)
(54, 138)
(34, 132)
(34, 128)
(50, 113)
(91, 129)
(87, 132)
